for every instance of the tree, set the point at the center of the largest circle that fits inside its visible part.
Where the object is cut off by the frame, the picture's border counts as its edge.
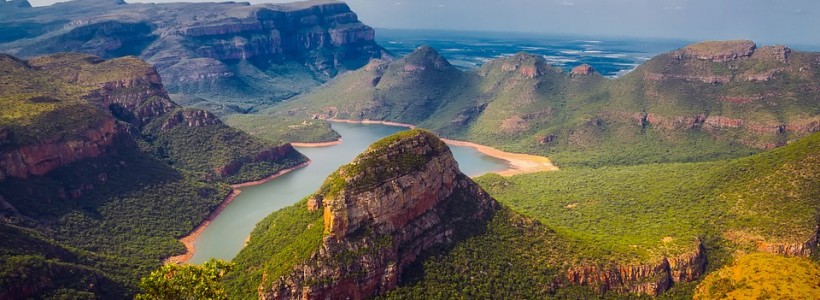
(183, 281)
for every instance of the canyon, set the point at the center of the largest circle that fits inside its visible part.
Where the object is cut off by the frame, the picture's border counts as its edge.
(210, 55)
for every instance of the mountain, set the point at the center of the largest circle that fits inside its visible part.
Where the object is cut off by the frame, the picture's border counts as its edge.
(384, 225)
(225, 57)
(364, 228)
(100, 173)
(706, 101)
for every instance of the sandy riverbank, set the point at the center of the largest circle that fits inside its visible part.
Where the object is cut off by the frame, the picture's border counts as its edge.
(189, 239)
(316, 145)
(519, 163)
(366, 121)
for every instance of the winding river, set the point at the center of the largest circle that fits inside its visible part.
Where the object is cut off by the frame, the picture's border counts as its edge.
(226, 234)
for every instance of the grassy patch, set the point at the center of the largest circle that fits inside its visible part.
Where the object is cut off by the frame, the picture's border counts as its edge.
(763, 276)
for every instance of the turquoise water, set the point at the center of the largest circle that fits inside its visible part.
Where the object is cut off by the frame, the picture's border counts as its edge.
(226, 235)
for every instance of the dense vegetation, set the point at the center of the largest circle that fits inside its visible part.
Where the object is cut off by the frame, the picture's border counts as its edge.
(630, 215)
(205, 149)
(133, 218)
(279, 242)
(763, 276)
(616, 215)
(281, 129)
(173, 281)
(641, 212)
(514, 257)
(101, 223)
(37, 107)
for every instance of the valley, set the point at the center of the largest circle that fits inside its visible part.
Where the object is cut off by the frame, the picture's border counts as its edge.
(291, 151)
(226, 235)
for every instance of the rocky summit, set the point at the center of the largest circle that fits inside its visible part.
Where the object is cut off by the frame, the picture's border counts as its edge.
(403, 196)
(226, 57)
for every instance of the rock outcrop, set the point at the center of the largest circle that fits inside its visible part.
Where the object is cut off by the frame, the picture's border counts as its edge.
(719, 51)
(521, 64)
(401, 197)
(650, 279)
(41, 158)
(804, 249)
(421, 59)
(582, 70)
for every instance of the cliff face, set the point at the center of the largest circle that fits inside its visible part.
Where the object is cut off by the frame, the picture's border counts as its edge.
(403, 196)
(127, 99)
(650, 279)
(42, 158)
(804, 249)
(214, 51)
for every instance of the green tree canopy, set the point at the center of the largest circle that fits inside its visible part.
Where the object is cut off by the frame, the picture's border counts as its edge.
(183, 281)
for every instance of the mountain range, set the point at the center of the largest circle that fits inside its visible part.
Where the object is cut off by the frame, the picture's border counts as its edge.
(705, 101)
(696, 175)
(225, 57)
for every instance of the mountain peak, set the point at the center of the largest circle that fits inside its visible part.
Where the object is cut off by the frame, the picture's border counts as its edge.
(582, 70)
(401, 197)
(15, 3)
(523, 63)
(720, 51)
(425, 57)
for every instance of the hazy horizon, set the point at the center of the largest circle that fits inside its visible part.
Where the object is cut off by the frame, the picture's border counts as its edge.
(764, 21)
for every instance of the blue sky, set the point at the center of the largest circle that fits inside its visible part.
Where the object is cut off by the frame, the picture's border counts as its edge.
(765, 21)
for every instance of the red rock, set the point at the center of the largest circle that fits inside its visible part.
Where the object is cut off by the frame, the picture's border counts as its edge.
(582, 70)
(403, 215)
(44, 157)
(650, 279)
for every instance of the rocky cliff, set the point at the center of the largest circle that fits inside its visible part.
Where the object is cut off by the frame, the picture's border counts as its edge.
(403, 196)
(99, 140)
(119, 101)
(249, 55)
(650, 279)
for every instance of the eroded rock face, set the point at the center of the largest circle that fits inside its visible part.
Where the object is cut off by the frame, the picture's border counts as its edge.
(804, 249)
(208, 50)
(42, 158)
(650, 279)
(191, 118)
(381, 224)
(582, 70)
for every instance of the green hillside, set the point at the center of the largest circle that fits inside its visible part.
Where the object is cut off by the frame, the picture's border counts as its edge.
(627, 216)
(682, 106)
(102, 173)
(591, 218)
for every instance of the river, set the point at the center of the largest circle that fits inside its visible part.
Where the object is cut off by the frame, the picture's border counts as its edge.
(226, 234)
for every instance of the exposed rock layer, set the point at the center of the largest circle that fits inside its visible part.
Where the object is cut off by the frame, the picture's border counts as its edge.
(650, 279)
(382, 226)
(207, 49)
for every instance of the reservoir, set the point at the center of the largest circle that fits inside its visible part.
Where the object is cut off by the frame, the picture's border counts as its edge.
(226, 234)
